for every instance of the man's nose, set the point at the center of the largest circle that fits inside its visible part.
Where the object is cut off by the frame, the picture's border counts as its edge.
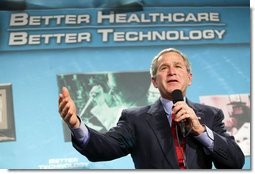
(171, 71)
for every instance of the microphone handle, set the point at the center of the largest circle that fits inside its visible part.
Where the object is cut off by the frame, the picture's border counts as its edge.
(182, 126)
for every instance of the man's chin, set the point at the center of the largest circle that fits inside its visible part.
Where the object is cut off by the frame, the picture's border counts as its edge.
(174, 88)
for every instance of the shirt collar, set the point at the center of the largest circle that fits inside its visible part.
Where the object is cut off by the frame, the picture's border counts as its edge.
(167, 105)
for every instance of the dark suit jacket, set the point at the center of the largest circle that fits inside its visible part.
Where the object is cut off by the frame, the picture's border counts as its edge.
(145, 133)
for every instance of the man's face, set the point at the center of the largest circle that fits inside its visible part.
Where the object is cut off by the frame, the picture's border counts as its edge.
(171, 74)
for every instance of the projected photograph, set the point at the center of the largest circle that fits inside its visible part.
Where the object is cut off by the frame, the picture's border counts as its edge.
(237, 111)
(7, 128)
(101, 97)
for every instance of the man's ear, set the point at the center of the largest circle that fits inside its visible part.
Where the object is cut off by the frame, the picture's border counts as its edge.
(190, 79)
(154, 82)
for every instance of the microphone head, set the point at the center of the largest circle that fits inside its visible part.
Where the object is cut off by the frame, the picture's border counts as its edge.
(177, 95)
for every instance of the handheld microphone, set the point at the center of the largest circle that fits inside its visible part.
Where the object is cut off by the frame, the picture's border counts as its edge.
(177, 96)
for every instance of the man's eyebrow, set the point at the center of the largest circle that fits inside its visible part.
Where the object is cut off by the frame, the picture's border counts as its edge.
(179, 63)
(163, 64)
(175, 63)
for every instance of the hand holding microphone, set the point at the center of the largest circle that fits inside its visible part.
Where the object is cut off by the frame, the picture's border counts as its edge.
(177, 96)
(185, 115)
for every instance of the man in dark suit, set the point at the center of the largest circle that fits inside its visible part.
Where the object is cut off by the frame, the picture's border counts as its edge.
(150, 133)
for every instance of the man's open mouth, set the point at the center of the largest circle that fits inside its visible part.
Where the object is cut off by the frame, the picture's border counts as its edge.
(172, 81)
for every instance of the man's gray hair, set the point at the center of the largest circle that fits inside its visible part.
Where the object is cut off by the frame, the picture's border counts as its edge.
(154, 63)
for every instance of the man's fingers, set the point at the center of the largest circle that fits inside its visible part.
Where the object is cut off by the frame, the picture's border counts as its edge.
(60, 98)
(65, 110)
(181, 117)
(65, 92)
(61, 106)
(63, 99)
(181, 111)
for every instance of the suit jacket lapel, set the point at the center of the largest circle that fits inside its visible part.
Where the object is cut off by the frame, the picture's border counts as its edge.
(157, 120)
